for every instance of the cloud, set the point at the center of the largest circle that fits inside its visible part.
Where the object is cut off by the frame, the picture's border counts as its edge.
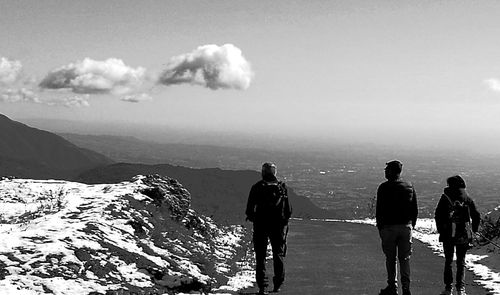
(12, 89)
(493, 84)
(10, 71)
(137, 97)
(74, 101)
(212, 66)
(89, 76)
(18, 95)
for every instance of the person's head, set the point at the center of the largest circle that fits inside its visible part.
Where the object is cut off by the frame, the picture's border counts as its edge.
(269, 170)
(393, 169)
(456, 182)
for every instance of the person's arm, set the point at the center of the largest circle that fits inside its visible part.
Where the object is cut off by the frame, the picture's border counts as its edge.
(438, 215)
(414, 208)
(475, 215)
(288, 205)
(379, 208)
(250, 211)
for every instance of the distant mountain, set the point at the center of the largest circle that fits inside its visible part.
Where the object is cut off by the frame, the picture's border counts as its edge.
(129, 149)
(32, 153)
(215, 192)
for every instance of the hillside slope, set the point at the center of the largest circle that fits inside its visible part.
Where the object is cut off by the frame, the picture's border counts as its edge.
(32, 153)
(137, 237)
(219, 193)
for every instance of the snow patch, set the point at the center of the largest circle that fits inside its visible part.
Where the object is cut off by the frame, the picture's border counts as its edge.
(72, 238)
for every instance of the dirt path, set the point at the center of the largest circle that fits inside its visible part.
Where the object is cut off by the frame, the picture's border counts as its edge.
(346, 259)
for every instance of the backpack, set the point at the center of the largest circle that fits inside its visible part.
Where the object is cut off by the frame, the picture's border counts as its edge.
(274, 203)
(459, 216)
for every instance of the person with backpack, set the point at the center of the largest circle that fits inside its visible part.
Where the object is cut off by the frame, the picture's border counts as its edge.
(456, 219)
(396, 216)
(269, 209)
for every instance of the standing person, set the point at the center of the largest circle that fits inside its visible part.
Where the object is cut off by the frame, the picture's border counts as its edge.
(453, 213)
(269, 209)
(396, 217)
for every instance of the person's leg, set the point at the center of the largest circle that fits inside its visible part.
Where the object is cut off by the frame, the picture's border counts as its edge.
(404, 244)
(260, 241)
(388, 237)
(278, 245)
(449, 250)
(460, 280)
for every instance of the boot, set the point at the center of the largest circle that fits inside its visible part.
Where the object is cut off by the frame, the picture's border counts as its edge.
(277, 285)
(389, 290)
(447, 291)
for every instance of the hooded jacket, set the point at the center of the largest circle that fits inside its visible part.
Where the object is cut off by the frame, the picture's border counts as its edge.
(444, 207)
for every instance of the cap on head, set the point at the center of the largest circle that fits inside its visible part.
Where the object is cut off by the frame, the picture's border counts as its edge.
(268, 168)
(394, 166)
(456, 181)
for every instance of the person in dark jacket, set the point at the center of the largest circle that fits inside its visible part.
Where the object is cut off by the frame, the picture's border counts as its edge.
(269, 209)
(453, 199)
(396, 215)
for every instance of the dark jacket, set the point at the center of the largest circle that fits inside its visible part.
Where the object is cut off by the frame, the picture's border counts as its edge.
(443, 209)
(396, 203)
(259, 199)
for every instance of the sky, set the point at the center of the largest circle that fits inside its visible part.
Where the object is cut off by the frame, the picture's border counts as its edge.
(414, 73)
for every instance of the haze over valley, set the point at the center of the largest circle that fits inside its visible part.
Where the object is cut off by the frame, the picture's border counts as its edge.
(343, 179)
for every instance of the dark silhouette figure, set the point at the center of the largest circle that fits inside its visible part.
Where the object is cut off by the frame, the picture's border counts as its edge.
(269, 209)
(453, 216)
(396, 215)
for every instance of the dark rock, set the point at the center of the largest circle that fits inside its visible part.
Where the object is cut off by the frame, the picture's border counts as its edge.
(165, 190)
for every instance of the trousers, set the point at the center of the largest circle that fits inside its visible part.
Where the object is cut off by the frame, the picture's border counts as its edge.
(449, 251)
(396, 244)
(262, 234)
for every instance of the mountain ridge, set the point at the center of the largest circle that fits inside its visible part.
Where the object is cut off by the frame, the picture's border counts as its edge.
(33, 153)
(27, 152)
(130, 149)
(215, 192)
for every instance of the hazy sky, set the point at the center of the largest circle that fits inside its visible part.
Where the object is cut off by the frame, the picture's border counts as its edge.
(407, 72)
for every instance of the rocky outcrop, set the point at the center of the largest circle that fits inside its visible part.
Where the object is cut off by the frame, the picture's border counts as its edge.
(489, 234)
(136, 237)
(168, 192)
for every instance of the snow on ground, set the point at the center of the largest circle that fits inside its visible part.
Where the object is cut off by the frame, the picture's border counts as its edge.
(71, 238)
(426, 232)
(242, 279)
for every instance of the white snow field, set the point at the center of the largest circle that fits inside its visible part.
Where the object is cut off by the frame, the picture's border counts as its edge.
(70, 238)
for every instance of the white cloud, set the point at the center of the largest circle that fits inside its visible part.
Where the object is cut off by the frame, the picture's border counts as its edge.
(75, 101)
(212, 66)
(12, 89)
(9, 71)
(18, 95)
(89, 76)
(137, 97)
(15, 95)
(493, 84)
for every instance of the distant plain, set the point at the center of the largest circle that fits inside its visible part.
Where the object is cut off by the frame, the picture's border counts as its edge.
(343, 179)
